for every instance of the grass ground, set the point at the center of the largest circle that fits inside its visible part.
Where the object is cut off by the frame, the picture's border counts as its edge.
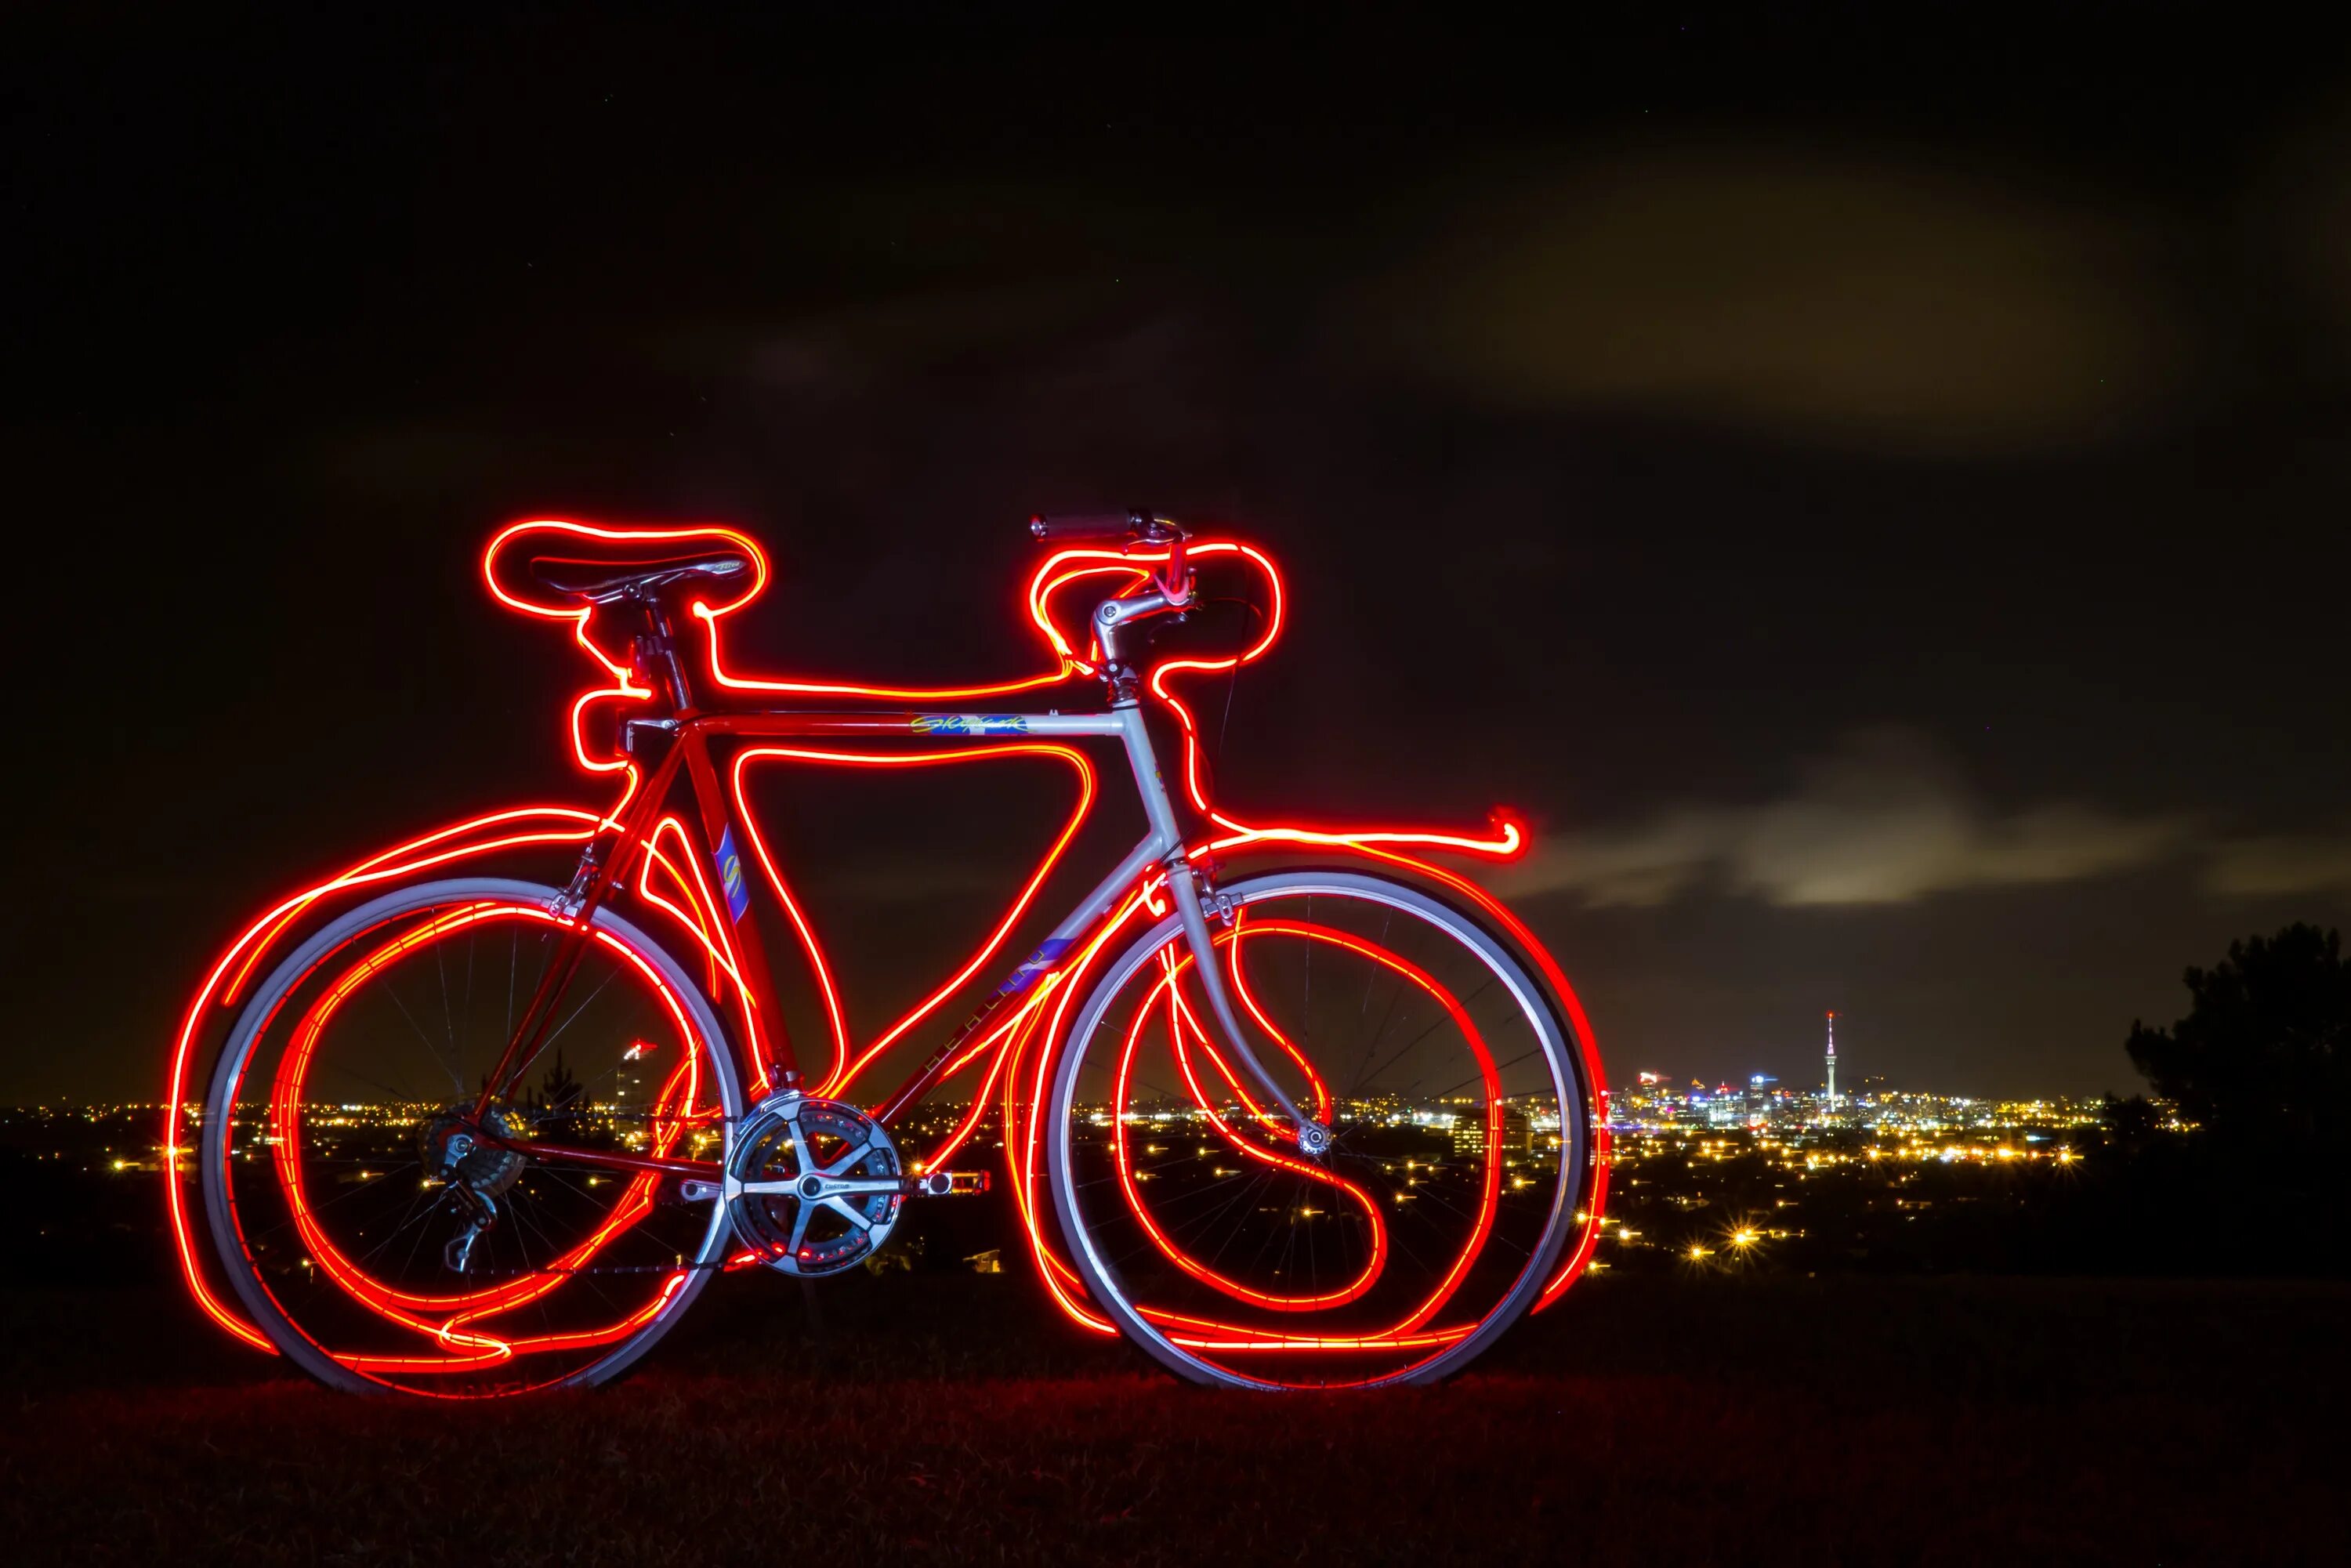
(949, 1419)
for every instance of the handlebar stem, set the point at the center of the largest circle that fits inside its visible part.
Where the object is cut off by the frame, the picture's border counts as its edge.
(1113, 617)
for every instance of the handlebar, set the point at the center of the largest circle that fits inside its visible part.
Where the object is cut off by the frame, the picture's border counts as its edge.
(1088, 527)
(1173, 578)
(1103, 527)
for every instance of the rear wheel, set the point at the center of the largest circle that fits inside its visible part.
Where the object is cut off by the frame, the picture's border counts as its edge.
(1460, 1135)
(380, 1253)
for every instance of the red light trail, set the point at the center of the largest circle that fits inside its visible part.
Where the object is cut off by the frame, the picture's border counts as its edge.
(1018, 1050)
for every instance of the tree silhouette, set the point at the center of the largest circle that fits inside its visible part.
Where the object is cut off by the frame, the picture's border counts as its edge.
(2262, 1060)
(558, 1087)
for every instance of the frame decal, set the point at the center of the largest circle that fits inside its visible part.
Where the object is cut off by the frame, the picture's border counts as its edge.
(730, 875)
(969, 724)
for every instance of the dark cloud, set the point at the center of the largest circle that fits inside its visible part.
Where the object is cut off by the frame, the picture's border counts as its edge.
(1827, 298)
(1885, 819)
(2276, 864)
(2299, 222)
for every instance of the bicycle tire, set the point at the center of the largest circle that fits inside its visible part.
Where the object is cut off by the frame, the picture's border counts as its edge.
(253, 1020)
(1549, 1027)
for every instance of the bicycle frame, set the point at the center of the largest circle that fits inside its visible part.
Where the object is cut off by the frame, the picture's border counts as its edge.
(628, 844)
(1161, 847)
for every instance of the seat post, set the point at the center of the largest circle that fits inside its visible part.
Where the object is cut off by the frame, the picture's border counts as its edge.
(657, 660)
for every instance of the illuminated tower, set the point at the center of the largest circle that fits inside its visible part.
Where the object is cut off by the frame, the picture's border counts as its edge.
(1831, 1062)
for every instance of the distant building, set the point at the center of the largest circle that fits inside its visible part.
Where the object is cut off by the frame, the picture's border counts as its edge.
(1469, 1135)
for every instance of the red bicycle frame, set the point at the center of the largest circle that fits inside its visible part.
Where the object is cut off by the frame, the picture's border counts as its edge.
(768, 1058)
(630, 845)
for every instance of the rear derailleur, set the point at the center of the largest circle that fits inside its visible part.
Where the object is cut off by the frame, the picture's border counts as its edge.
(474, 1173)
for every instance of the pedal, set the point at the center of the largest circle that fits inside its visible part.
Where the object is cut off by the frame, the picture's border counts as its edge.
(949, 1183)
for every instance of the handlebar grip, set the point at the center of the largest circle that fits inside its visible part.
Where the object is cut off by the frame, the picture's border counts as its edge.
(1090, 526)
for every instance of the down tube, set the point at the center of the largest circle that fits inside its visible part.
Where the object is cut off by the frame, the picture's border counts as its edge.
(1090, 910)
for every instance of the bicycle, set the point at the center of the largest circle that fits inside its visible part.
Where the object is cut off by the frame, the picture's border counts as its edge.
(1290, 1107)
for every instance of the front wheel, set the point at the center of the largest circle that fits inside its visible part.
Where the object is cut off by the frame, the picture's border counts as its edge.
(1460, 1139)
(379, 1253)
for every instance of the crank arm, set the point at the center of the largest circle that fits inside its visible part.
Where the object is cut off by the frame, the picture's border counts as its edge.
(817, 1189)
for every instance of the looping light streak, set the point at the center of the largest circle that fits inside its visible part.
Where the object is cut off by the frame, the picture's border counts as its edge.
(465, 1347)
(1182, 1023)
(845, 1066)
(1019, 1051)
(224, 981)
(709, 928)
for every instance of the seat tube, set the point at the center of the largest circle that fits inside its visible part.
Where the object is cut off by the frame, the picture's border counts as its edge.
(1183, 887)
(658, 661)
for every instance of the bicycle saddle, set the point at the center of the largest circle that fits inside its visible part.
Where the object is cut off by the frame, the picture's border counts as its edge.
(608, 581)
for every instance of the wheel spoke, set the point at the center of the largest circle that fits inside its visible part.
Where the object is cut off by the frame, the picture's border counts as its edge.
(344, 1225)
(1410, 1219)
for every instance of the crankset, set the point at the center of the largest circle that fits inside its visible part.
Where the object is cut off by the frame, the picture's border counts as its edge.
(815, 1186)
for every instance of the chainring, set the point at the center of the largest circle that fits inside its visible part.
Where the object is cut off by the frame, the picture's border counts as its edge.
(789, 1154)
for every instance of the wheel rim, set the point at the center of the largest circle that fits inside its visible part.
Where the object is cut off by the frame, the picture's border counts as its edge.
(1458, 1141)
(328, 1146)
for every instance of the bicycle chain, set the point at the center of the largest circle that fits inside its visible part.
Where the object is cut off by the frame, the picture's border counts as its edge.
(602, 1268)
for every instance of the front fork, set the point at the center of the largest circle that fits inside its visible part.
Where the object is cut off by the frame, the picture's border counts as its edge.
(1183, 886)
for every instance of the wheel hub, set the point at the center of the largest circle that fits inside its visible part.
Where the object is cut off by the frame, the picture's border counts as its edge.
(456, 1151)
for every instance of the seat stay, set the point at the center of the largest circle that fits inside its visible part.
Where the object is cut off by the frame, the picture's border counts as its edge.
(602, 864)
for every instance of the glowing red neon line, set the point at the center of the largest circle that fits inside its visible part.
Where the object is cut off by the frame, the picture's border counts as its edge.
(1061, 1281)
(1323, 1104)
(847, 689)
(845, 1069)
(1025, 1022)
(1179, 1023)
(834, 1019)
(1491, 1187)
(243, 953)
(717, 953)
(288, 1097)
(1596, 1206)
(635, 1201)
(1033, 1036)
(709, 922)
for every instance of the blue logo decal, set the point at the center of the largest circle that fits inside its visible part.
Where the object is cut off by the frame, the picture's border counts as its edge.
(1036, 964)
(730, 873)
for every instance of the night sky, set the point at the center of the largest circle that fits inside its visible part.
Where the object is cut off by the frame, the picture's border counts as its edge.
(1876, 503)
